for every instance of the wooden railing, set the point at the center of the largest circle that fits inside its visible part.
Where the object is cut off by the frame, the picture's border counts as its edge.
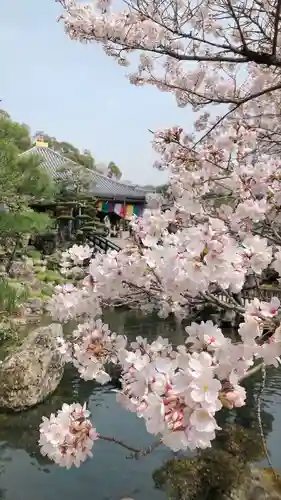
(104, 244)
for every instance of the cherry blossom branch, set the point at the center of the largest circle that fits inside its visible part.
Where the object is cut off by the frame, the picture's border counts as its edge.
(136, 453)
(209, 297)
(251, 372)
(146, 451)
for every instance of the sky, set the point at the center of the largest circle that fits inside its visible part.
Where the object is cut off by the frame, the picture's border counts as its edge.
(76, 93)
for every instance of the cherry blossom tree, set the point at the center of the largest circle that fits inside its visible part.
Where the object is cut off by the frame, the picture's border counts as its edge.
(222, 229)
(225, 53)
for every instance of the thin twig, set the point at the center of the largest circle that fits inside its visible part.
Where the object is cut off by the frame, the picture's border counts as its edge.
(118, 441)
(146, 451)
(258, 402)
(135, 452)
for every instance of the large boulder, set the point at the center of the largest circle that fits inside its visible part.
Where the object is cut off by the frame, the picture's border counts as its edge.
(33, 371)
(261, 484)
(223, 472)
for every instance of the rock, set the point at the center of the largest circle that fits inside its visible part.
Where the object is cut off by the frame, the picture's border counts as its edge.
(35, 304)
(231, 479)
(33, 371)
(21, 269)
(222, 472)
(262, 484)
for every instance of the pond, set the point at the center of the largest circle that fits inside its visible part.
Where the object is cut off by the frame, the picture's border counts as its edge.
(26, 475)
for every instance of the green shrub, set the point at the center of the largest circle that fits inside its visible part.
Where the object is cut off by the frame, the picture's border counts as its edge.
(32, 253)
(50, 276)
(47, 291)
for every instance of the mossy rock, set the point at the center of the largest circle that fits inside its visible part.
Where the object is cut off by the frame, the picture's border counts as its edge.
(237, 440)
(53, 261)
(212, 474)
(38, 262)
(34, 254)
(47, 291)
(40, 269)
(261, 484)
(10, 338)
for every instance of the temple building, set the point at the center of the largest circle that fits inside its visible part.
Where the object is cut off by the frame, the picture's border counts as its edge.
(115, 199)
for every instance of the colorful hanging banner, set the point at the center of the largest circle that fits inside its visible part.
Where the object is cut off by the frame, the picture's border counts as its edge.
(124, 211)
(129, 211)
(117, 208)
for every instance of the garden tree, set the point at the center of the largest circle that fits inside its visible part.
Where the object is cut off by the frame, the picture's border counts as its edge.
(36, 184)
(213, 250)
(77, 212)
(22, 183)
(4, 114)
(22, 180)
(15, 229)
(89, 224)
(14, 133)
(114, 171)
(69, 151)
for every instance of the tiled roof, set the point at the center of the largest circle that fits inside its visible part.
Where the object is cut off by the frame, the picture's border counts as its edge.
(102, 186)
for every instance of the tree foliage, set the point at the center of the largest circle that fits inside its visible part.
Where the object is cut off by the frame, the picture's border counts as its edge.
(77, 209)
(14, 133)
(22, 222)
(114, 171)
(21, 177)
(22, 183)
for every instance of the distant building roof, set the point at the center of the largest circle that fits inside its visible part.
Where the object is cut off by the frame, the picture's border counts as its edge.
(102, 186)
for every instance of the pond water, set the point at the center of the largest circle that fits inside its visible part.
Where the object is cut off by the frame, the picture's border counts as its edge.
(26, 475)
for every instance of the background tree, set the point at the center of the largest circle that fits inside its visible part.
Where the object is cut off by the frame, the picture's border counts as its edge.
(14, 133)
(22, 183)
(114, 171)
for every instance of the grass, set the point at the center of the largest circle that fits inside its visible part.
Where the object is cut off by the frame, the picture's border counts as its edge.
(12, 296)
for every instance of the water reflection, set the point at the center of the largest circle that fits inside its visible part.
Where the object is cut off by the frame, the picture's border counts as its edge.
(25, 474)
